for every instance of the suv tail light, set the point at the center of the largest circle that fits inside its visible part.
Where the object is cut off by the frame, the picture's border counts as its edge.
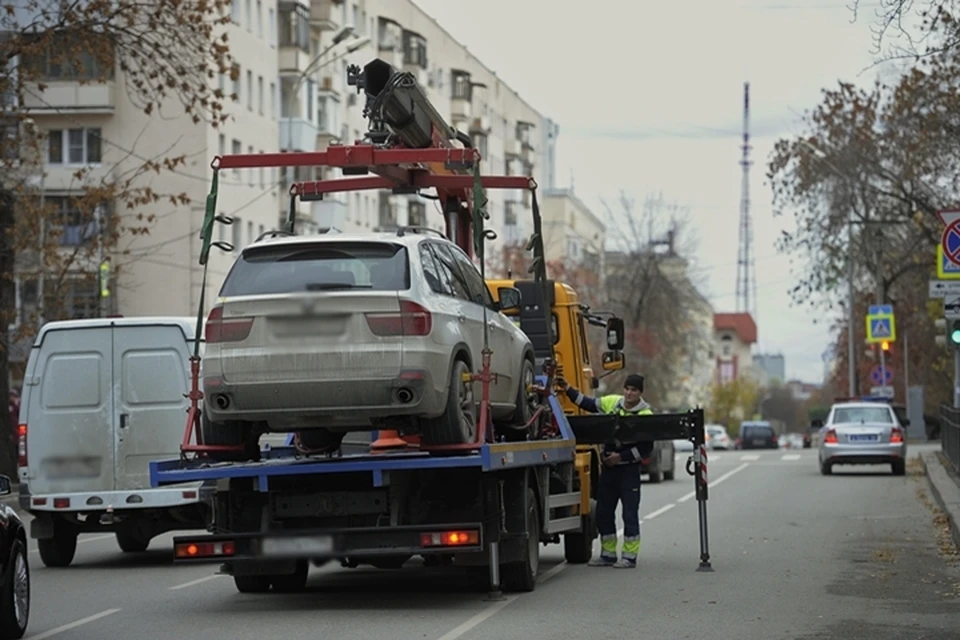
(21, 445)
(896, 435)
(218, 329)
(413, 320)
(830, 437)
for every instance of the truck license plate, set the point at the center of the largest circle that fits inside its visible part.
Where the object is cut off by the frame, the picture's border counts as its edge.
(297, 546)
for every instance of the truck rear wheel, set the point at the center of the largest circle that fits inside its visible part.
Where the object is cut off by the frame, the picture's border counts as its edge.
(292, 582)
(578, 547)
(59, 550)
(252, 584)
(522, 576)
(458, 424)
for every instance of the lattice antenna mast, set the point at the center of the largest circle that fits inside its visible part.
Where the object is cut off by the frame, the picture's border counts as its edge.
(746, 265)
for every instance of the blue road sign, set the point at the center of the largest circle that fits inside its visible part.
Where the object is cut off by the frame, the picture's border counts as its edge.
(880, 328)
(881, 376)
(880, 310)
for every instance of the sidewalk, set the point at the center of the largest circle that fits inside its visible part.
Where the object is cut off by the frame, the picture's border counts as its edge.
(945, 487)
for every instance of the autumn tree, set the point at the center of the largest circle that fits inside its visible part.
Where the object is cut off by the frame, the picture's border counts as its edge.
(647, 285)
(777, 402)
(166, 57)
(732, 402)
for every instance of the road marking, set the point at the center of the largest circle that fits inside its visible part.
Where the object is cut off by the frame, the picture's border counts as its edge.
(750, 456)
(659, 511)
(459, 632)
(686, 497)
(83, 540)
(197, 581)
(552, 572)
(74, 625)
(791, 456)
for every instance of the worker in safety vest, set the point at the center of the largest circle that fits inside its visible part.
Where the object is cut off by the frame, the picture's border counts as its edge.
(620, 481)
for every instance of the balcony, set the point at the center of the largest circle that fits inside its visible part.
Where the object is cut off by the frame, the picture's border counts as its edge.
(70, 97)
(512, 149)
(325, 14)
(480, 125)
(297, 134)
(292, 60)
(61, 177)
(390, 42)
(460, 108)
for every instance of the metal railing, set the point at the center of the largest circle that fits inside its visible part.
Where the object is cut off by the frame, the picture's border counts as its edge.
(950, 435)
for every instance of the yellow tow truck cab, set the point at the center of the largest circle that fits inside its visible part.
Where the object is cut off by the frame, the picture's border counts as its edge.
(571, 349)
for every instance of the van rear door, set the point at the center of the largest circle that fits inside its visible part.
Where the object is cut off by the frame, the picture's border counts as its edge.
(152, 365)
(70, 444)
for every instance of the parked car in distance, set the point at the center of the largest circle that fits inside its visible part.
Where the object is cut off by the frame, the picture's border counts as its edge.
(15, 589)
(863, 433)
(757, 435)
(412, 308)
(717, 437)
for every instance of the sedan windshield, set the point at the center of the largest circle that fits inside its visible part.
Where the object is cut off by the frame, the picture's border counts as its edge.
(863, 415)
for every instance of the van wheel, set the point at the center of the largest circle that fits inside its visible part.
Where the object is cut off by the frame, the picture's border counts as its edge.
(231, 433)
(59, 550)
(458, 424)
(130, 543)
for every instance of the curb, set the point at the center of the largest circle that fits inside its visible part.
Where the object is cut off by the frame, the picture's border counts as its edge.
(943, 481)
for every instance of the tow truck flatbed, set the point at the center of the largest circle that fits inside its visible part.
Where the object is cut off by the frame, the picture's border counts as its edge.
(286, 461)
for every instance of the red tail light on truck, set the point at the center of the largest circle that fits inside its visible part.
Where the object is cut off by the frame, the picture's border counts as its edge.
(22, 445)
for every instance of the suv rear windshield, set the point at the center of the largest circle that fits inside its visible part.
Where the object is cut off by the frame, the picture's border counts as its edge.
(862, 414)
(756, 430)
(323, 266)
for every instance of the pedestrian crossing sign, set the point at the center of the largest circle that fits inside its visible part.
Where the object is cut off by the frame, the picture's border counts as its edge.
(881, 327)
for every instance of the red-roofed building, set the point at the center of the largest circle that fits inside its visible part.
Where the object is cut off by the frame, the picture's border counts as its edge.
(735, 334)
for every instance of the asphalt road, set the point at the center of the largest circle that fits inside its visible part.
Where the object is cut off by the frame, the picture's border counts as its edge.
(796, 556)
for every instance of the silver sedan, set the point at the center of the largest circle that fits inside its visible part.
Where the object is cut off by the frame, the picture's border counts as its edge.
(862, 433)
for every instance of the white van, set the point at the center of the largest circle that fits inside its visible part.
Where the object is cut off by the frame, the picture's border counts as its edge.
(101, 399)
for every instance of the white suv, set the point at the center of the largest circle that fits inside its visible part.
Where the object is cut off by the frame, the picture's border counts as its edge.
(327, 334)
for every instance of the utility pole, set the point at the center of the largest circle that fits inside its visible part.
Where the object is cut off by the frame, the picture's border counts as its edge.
(851, 349)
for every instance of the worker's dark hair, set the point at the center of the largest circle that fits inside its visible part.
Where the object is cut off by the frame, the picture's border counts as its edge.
(634, 380)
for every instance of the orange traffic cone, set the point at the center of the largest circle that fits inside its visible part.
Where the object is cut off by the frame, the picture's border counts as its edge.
(386, 440)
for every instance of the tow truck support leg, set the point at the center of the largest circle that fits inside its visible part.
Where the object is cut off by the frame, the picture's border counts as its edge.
(702, 487)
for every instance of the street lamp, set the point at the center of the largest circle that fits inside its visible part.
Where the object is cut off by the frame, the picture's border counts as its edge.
(851, 364)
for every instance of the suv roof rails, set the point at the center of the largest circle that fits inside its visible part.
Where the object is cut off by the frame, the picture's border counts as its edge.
(401, 231)
(274, 233)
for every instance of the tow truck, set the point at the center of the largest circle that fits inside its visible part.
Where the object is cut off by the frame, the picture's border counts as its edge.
(488, 504)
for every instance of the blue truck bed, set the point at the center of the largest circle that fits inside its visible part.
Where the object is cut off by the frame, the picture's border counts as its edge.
(285, 461)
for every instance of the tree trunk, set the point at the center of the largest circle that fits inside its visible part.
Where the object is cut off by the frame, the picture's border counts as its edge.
(8, 307)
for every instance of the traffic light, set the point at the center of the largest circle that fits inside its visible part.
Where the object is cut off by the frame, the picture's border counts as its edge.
(885, 346)
(955, 333)
(941, 326)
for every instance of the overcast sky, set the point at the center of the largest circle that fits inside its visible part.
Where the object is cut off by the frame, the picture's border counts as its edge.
(649, 95)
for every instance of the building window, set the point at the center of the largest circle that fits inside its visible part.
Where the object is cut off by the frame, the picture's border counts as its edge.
(70, 225)
(260, 94)
(236, 83)
(249, 17)
(461, 89)
(237, 150)
(414, 49)
(509, 214)
(237, 229)
(74, 146)
(250, 90)
(9, 140)
(74, 299)
(259, 18)
(235, 11)
(223, 144)
(311, 95)
(271, 27)
(328, 108)
(67, 59)
(294, 26)
(273, 99)
(389, 35)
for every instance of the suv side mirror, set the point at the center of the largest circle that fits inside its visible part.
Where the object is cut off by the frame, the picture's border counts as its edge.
(615, 334)
(509, 298)
(6, 487)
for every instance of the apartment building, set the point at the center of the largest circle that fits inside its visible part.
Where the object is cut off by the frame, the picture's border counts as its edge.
(97, 127)
(735, 335)
(574, 239)
(291, 95)
(512, 137)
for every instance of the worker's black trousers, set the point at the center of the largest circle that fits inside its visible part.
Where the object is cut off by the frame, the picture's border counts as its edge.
(620, 483)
